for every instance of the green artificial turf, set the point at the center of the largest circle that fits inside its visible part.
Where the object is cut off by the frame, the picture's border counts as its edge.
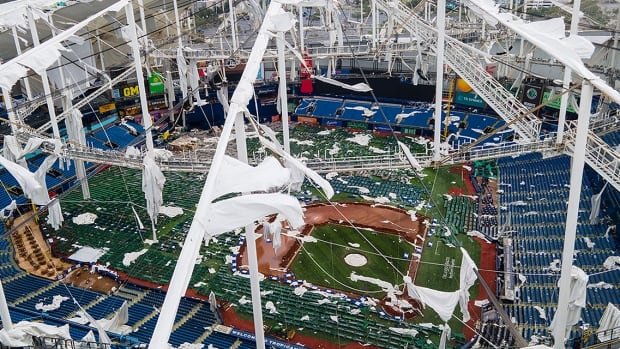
(440, 270)
(333, 272)
(438, 182)
(114, 191)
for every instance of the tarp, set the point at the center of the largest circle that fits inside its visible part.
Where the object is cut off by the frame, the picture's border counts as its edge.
(87, 254)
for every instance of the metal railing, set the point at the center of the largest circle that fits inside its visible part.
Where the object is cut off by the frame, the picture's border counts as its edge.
(460, 57)
(599, 155)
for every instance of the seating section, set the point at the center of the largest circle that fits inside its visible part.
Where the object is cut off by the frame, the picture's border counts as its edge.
(24, 292)
(460, 213)
(533, 213)
(413, 118)
(396, 192)
(293, 310)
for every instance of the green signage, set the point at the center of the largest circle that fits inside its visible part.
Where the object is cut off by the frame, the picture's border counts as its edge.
(469, 99)
(409, 131)
(357, 124)
(555, 104)
(156, 84)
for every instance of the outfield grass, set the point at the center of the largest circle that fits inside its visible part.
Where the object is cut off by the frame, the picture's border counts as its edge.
(330, 251)
(437, 273)
(438, 182)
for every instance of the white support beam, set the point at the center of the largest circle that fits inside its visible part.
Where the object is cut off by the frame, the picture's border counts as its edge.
(44, 80)
(144, 39)
(191, 247)
(8, 104)
(5, 316)
(177, 23)
(233, 24)
(574, 24)
(18, 49)
(572, 214)
(439, 51)
(282, 91)
(250, 243)
(135, 51)
(374, 23)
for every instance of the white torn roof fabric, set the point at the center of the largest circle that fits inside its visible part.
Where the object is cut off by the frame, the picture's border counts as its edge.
(222, 97)
(182, 66)
(7, 211)
(445, 335)
(41, 57)
(89, 337)
(444, 302)
(360, 87)
(46, 56)
(75, 127)
(34, 187)
(467, 279)
(132, 152)
(117, 324)
(194, 82)
(103, 336)
(13, 151)
(549, 36)
(280, 21)
(22, 333)
(238, 177)
(240, 211)
(410, 158)
(608, 322)
(153, 181)
(294, 163)
(576, 302)
(276, 234)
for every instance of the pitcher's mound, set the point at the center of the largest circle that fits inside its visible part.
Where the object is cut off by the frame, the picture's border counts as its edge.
(355, 260)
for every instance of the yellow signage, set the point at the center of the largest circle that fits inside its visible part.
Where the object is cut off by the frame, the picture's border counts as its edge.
(107, 107)
(130, 91)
